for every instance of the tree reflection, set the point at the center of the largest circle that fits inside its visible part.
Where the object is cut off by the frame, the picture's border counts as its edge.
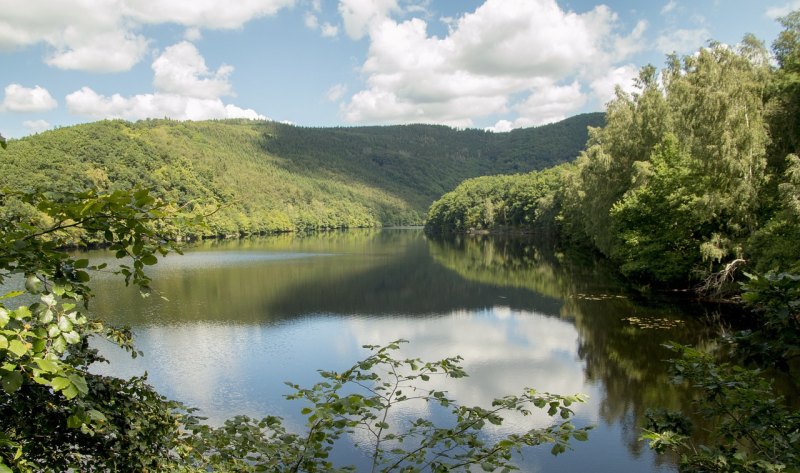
(621, 334)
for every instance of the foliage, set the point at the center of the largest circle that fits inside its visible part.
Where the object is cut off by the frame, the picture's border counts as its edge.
(254, 177)
(88, 421)
(694, 169)
(362, 400)
(753, 427)
(57, 416)
(658, 221)
(523, 202)
(775, 301)
(754, 430)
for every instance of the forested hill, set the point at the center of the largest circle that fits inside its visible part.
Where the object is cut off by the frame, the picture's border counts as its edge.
(268, 176)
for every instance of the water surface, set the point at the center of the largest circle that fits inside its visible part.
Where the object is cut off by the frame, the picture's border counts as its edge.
(242, 317)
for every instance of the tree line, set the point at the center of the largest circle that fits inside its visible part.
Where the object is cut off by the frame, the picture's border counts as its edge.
(694, 176)
(695, 169)
(251, 177)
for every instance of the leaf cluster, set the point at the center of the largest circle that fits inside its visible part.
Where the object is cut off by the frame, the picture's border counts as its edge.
(360, 403)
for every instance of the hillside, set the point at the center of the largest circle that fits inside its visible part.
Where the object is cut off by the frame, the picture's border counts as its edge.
(268, 176)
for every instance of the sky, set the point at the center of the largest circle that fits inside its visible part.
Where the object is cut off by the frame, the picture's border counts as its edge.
(490, 64)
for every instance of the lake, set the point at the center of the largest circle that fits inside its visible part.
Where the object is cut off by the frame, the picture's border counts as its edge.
(238, 318)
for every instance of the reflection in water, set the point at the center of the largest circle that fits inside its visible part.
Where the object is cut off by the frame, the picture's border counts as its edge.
(242, 317)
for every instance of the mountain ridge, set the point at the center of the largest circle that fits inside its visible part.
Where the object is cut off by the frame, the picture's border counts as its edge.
(269, 176)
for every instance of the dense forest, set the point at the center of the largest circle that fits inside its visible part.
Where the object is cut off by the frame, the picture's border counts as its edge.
(691, 177)
(256, 177)
(694, 171)
(694, 180)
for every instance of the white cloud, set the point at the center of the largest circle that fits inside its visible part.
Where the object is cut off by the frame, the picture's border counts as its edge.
(504, 50)
(87, 102)
(185, 90)
(329, 31)
(360, 15)
(36, 126)
(625, 46)
(336, 92)
(501, 126)
(181, 70)
(779, 11)
(311, 21)
(102, 35)
(550, 104)
(23, 99)
(682, 41)
(111, 51)
(213, 14)
(193, 34)
(604, 87)
(671, 4)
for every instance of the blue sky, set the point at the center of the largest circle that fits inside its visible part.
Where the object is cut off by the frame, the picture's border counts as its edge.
(495, 64)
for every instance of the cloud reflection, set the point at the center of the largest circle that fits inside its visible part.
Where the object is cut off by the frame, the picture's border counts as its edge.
(225, 369)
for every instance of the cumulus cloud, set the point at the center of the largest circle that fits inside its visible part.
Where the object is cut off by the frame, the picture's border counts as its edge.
(108, 51)
(103, 35)
(501, 126)
(185, 90)
(775, 12)
(36, 126)
(327, 30)
(180, 69)
(360, 15)
(508, 56)
(213, 14)
(23, 99)
(603, 87)
(87, 102)
(550, 104)
(682, 41)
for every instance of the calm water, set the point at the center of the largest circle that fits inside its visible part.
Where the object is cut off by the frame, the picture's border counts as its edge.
(243, 317)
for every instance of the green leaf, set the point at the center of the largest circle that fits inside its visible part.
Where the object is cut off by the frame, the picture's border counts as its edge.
(557, 449)
(82, 276)
(59, 383)
(71, 337)
(3, 467)
(4, 317)
(11, 381)
(53, 331)
(47, 366)
(59, 345)
(46, 317)
(64, 324)
(149, 260)
(70, 392)
(11, 294)
(74, 421)
(96, 416)
(23, 312)
(81, 263)
(79, 382)
(17, 347)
